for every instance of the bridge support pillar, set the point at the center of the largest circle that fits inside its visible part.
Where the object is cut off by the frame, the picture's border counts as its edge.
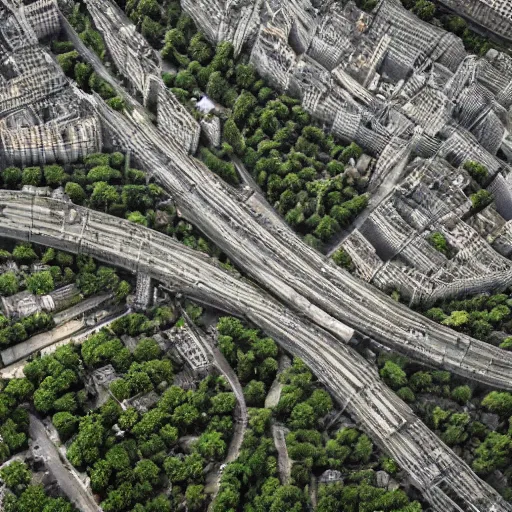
(144, 292)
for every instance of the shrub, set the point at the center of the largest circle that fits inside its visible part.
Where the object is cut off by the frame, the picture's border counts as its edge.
(8, 284)
(225, 170)
(438, 241)
(117, 103)
(462, 394)
(54, 175)
(481, 199)
(234, 137)
(75, 192)
(477, 171)
(393, 375)
(11, 176)
(32, 176)
(67, 61)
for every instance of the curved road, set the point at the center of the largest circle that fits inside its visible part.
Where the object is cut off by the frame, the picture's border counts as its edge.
(432, 467)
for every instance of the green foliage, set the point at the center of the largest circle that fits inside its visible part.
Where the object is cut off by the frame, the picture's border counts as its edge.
(424, 9)
(185, 80)
(393, 375)
(103, 195)
(16, 476)
(66, 424)
(457, 319)
(67, 61)
(40, 283)
(234, 137)
(117, 103)
(8, 284)
(462, 394)
(11, 177)
(439, 242)
(494, 453)
(24, 254)
(343, 259)
(146, 350)
(225, 170)
(199, 49)
(32, 176)
(255, 393)
(481, 199)
(498, 402)
(54, 175)
(477, 171)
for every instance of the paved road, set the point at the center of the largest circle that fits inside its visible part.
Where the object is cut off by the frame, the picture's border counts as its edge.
(430, 464)
(61, 470)
(221, 363)
(241, 413)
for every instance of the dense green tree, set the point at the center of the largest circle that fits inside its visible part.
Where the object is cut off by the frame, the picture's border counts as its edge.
(103, 195)
(8, 284)
(82, 74)
(420, 381)
(75, 192)
(481, 199)
(393, 375)
(147, 349)
(11, 177)
(41, 283)
(225, 170)
(255, 393)
(462, 394)
(233, 136)
(211, 446)
(477, 171)
(54, 175)
(16, 476)
(321, 402)
(199, 49)
(223, 403)
(19, 389)
(494, 453)
(33, 499)
(457, 319)
(195, 497)
(32, 176)
(498, 402)
(302, 416)
(66, 424)
(24, 254)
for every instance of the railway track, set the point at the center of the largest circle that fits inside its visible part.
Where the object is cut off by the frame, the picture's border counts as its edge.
(444, 479)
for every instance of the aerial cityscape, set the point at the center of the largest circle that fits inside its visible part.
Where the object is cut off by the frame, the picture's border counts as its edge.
(255, 255)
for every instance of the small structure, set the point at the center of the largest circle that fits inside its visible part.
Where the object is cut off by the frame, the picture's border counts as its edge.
(142, 402)
(99, 381)
(330, 476)
(143, 292)
(205, 105)
(190, 349)
(25, 303)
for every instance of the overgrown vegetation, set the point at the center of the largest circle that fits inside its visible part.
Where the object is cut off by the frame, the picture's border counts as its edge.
(24, 497)
(485, 317)
(40, 271)
(474, 422)
(305, 409)
(299, 167)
